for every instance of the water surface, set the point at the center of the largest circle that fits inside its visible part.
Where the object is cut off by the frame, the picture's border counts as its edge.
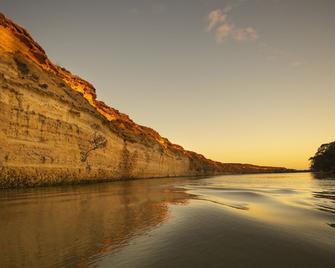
(233, 221)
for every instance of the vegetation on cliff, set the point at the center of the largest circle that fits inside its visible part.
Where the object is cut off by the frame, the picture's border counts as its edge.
(324, 159)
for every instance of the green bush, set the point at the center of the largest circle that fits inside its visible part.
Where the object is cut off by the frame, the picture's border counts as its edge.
(324, 159)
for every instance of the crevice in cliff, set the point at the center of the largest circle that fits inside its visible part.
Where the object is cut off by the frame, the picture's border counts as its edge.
(127, 162)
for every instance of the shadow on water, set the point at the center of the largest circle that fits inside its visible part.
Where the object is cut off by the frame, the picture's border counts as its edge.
(323, 176)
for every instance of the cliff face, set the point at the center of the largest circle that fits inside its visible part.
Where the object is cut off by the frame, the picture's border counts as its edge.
(54, 130)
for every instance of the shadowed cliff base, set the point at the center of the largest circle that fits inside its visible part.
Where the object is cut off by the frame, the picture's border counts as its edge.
(54, 130)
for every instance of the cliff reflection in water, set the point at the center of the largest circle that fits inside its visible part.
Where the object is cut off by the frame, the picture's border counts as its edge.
(66, 226)
(260, 220)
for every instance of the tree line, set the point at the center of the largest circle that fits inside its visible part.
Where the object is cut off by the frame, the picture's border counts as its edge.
(324, 159)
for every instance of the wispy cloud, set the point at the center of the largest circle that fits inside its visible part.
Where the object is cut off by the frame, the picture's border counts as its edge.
(223, 31)
(248, 33)
(219, 23)
(214, 18)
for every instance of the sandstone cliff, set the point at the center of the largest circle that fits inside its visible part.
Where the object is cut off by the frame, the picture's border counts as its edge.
(54, 130)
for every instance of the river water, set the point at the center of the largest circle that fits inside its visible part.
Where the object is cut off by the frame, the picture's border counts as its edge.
(268, 220)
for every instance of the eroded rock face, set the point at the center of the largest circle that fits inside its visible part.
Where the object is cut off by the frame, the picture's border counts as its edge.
(54, 130)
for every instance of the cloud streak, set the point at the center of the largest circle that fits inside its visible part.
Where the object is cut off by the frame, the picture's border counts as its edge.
(218, 23)
(223, 28)
(215, 17)
(223, 31)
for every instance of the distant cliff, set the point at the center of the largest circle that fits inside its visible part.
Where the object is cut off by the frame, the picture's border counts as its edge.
(54, 130)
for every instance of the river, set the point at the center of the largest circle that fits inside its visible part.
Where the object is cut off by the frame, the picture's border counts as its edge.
(277, 220)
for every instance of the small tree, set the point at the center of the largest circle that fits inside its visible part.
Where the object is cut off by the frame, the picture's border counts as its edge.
(97, 142)
(324, 159)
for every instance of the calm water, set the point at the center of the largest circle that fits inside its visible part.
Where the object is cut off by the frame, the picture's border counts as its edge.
(277, 220)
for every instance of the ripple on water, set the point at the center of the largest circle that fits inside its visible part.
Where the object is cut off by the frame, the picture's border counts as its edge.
(243, 220)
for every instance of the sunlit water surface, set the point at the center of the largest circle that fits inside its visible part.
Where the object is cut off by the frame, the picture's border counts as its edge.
(277, 220)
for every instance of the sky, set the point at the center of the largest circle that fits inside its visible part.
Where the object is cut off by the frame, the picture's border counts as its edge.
(249, 81)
